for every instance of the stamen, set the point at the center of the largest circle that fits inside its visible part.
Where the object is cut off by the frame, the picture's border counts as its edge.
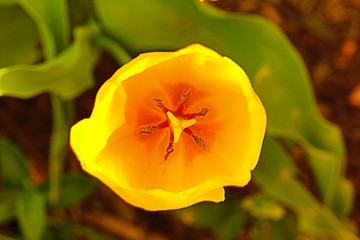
(148, 130)
(169, 149)
(162, 125)
(186, 97)
(159, 103)
(199, 142)
(203, 112)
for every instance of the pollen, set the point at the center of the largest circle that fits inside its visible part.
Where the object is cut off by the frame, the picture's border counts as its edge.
(177, 125)
(148, 130)
(186, 97)
(199, 142)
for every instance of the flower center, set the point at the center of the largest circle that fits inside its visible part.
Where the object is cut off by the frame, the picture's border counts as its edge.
(177, 125)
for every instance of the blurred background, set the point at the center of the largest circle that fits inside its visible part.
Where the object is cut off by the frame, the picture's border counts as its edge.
(325, 33)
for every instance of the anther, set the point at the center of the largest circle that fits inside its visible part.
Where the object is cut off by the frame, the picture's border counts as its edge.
(203, 112)
(148, 130)
(169, 149)
(158, 103)
(199, 142)
(186, 97)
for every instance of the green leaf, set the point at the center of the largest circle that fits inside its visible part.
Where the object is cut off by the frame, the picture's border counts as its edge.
(284, 229)
(326, 178)
(67, 75)
(275, 178)
(3, 237)
(7, 3)
(19, 37)
(73, 189)
(7, 205)
(60, 229)
(31, 214)
(51, 17)
(15, 171)
(226, 220)
(273, 65)
(262, 206)
(344, 199)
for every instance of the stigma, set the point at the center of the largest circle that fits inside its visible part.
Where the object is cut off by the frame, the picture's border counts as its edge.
(177, 125)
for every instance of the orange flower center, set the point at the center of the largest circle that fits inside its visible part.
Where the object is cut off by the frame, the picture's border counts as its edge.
(178, 122)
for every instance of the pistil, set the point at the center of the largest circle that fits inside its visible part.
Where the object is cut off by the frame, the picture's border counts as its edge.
(177, 125)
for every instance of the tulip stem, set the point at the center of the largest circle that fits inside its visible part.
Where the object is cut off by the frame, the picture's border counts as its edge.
(114, 48)
(62, 119)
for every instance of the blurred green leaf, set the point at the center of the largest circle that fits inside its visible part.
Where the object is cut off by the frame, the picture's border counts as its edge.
(51, 17)
(327, 178)
(19, 37)
(3, 237)
(31, 214)
(275, 178)
(226, 220)
(80, 11)
(7, 205)
(275, 68)
(284, 229)
(15, 171)
(73, 189)
(344, 198)
(62, 229)
(262, 206)
(67, 75)
(7, 2)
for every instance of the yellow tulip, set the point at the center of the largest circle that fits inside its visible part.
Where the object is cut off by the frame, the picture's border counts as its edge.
(171, 129)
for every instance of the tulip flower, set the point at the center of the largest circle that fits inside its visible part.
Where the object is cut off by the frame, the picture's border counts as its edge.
(171, 129)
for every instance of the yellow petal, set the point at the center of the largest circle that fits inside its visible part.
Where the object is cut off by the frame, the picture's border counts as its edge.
(158, 199)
